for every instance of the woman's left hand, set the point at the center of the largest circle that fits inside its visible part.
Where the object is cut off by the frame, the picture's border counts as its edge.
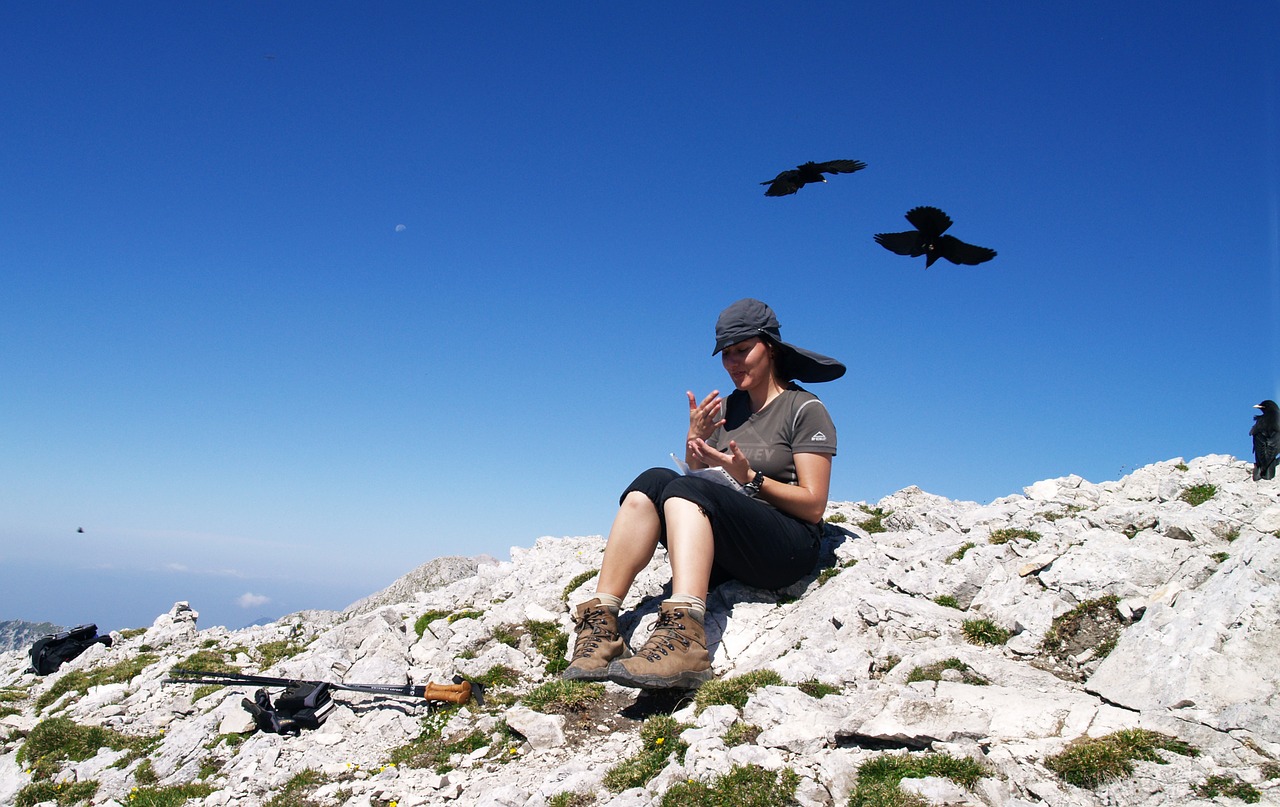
(735, 462)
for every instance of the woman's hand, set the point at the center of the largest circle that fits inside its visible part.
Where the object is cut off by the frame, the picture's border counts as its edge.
(705, 417)
(806, 500)
(735, 462)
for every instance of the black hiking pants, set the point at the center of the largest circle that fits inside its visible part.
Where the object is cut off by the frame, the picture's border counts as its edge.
(755, 543)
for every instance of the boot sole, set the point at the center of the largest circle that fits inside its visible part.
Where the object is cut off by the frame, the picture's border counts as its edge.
(689, 679)
(574, 674)
(602, 674)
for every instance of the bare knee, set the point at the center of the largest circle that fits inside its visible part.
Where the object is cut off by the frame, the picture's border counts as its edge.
(680, 511)
(637, 500)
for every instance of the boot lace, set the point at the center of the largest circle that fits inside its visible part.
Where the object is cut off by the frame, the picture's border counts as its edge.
(591, 629)
(667, 634)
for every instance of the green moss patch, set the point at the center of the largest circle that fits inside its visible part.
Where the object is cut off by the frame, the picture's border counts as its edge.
(1093, 761)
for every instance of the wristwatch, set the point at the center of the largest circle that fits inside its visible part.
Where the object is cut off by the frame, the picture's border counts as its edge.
(752, 488)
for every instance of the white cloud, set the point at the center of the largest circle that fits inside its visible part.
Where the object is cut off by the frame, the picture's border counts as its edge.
(401, 228)
(175, 567)
(251, 600)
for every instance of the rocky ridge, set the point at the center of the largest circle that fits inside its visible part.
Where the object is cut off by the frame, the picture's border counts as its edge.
(1000, 633)
(16, 634)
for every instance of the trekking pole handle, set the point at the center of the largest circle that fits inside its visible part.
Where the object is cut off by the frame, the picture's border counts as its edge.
(448, 693)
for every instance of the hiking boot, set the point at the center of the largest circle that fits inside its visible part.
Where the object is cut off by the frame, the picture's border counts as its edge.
(675, 657)
(596, 643)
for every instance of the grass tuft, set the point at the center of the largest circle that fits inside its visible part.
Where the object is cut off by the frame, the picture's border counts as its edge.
(499, 675)
(659, 736)
(569, 798)
(551, 642)
(272, 652)
(831, 571)
(734, 691)
(60, 739)
(741, 734)
(960, 553)
(1230, 787)
(817, 689)
(933, 672)
(429, 750)
(1093, 761)
(297, 791)
(984, 631)
(742, 786)
(878, 778)
(1007, 534)
(424, 621)
(874, 524)
(174, 796)
(209, 660)
(1197, 495)
(575, 583)
(47, 792)
(79, 680)
(559, 696)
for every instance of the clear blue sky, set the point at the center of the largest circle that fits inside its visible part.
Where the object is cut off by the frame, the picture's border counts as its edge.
(297, 296)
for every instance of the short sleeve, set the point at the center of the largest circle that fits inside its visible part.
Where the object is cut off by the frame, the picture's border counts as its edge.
(813, 431)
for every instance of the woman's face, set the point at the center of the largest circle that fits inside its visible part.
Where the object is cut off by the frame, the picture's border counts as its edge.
(748, 362)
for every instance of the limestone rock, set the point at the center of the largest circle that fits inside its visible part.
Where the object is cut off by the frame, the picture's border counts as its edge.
(872, 657)
(540, 730)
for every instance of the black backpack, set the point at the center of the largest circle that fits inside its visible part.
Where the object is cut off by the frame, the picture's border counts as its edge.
(48, 652)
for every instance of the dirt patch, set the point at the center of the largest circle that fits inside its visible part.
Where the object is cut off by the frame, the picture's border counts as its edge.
(620, 710)
(1080, 639)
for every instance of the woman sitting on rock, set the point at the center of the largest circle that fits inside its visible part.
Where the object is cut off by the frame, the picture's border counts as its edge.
(776, 441)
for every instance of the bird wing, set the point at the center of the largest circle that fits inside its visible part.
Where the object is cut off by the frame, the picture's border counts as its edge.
(1266, 448)
(929, 220)
(908, 243)
(784, 184)
(840, 166)
(957, 251)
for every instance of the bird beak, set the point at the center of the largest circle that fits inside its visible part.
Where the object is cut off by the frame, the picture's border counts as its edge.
(1257, 406)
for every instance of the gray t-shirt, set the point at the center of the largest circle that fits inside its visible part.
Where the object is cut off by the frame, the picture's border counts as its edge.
(795, 422)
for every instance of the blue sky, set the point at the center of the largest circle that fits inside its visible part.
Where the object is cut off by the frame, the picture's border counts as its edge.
(297, 296)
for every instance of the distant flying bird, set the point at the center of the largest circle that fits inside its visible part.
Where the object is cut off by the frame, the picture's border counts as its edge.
(788, 182)
(1266, 440)
(927, 239)
(80, 529)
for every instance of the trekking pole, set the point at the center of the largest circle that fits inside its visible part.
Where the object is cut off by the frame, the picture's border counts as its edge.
(460, 691)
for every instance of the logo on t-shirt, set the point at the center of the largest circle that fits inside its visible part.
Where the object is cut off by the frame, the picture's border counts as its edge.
(818, 437)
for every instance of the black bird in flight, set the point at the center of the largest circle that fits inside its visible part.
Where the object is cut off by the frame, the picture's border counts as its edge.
(1266, 440)
(927, 239)
(788, 182)
(80, 529)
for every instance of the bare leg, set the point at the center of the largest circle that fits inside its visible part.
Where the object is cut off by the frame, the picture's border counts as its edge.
(675, 654)
(632, 541)
(690, 546)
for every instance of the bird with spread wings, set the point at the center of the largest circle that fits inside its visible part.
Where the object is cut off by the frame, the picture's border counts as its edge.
(792, 180)
(927, 239)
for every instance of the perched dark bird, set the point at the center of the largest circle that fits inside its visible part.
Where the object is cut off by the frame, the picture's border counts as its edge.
(1266, 440)
(788, 182)
(927, 239)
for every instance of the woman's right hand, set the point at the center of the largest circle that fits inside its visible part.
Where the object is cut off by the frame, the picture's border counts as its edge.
(705, 417)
